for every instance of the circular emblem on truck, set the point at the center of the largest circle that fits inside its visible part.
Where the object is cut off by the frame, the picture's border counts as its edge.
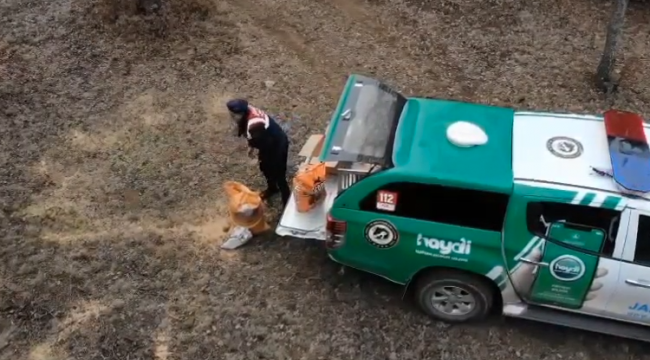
(567, 268)
(381, 234)
(564, 147)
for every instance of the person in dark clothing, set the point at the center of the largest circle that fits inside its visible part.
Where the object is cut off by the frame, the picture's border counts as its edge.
(266, 136)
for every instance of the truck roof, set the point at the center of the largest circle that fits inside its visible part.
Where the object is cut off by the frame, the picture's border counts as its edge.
(523, 146)
(422, 149)
(564, 149)
(415, 136)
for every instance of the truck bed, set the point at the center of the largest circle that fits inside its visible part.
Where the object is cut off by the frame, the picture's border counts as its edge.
(309, 225)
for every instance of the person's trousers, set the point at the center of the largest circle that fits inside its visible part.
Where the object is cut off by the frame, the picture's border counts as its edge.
(273, 165)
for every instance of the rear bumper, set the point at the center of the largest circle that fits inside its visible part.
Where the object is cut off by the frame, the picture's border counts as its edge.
(336, 260)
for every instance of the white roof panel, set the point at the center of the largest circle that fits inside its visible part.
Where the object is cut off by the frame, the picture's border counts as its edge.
(562, 149)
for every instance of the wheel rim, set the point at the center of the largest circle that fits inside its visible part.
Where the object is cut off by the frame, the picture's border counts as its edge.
(453, 300)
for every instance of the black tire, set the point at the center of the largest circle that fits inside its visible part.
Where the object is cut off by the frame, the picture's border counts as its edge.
(469, 284)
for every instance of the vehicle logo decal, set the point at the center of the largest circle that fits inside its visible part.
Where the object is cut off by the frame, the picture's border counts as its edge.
(456, 250)
(381, 234)
(564, 147)
(567, 268)
(640, 307)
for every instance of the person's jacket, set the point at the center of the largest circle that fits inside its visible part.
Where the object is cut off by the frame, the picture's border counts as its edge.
(262, 132)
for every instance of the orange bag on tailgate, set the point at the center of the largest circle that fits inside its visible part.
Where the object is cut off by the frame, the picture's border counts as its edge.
(309, 186)
(246, 207)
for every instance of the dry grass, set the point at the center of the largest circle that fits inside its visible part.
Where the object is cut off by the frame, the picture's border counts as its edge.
(115, 145)
(148, 17)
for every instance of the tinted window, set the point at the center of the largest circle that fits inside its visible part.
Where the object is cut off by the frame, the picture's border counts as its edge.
(539, 214)
(642, 252)
(373, 117)
(454, 206)
(366, 130)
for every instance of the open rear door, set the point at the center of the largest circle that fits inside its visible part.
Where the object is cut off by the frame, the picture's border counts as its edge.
(361, 133)
(363, 127)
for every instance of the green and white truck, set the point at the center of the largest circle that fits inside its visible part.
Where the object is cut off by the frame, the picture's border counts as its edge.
(545, 216)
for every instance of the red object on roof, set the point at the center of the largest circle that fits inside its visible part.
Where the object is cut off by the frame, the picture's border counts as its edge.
(624, 124)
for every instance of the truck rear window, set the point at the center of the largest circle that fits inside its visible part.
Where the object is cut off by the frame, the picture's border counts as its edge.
(364, 131)
(443, 204)
(373, 118)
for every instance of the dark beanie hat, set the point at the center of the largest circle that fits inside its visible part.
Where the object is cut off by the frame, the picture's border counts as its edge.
(237, 106)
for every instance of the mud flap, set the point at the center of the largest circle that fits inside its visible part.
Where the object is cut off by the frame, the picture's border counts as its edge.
(309, 225)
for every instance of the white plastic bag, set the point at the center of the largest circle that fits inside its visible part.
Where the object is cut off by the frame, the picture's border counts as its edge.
(238, 237)
(246, 210)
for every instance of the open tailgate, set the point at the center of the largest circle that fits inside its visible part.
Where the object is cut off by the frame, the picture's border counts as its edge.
(310, 225)
(358, 141)
(340, 176)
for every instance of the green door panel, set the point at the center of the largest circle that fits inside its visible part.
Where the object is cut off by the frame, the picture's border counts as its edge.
(519, 243)
(421, 244)
(566, 276)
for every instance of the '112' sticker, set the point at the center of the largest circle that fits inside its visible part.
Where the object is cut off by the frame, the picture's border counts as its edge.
(386, 200)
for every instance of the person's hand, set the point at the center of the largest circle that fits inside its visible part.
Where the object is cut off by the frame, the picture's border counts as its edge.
(595, 284)
(523, 276)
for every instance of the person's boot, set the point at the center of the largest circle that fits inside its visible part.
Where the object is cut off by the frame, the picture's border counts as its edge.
(285, 200)
(269, 192)
(285, 191)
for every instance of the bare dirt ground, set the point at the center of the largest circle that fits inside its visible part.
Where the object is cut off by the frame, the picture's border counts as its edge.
(115, 145)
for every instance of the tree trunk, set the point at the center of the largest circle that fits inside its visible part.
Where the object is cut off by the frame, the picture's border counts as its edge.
(605, 68)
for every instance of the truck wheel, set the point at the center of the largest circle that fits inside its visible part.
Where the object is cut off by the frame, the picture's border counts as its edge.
(453, 296)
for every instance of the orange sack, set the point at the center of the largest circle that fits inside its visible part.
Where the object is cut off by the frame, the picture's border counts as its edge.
(246, 207)
(309, 186)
